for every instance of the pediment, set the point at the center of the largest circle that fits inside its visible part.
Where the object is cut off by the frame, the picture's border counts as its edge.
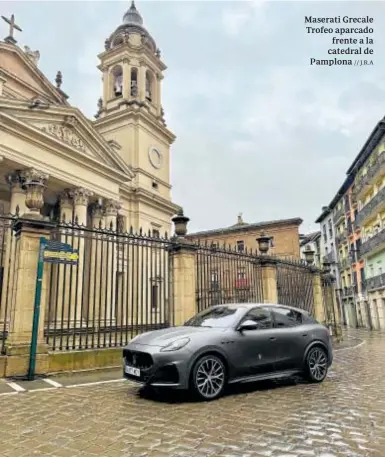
(23, 78)
(70, 128)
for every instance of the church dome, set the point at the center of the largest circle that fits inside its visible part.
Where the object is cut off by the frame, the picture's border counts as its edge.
(133, 16)
(132, 23)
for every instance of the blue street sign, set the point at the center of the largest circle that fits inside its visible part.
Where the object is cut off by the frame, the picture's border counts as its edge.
(57, 252)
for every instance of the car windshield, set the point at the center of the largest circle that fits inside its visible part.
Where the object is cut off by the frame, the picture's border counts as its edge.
(218, 317)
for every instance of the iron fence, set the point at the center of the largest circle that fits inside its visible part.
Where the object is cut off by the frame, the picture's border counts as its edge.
(224, 275)
(7, 272)
(295, 284)
(119, 287)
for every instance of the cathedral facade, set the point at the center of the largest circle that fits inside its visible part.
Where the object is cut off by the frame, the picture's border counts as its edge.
(114, 168)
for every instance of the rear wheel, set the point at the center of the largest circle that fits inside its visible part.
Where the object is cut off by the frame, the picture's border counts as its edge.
(316, 364)
(209, 377)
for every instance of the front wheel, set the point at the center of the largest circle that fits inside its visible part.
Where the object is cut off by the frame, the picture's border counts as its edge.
(208, 379)
(316, 364)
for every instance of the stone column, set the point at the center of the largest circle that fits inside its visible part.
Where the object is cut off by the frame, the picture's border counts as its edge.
(95, 270)
(80, 198)
(106, 85)
(142, 82)
(158, 99)
(109, 264)
(126, 79)
(28, 234)
(269, 279)
(17, 205)
(183, 281)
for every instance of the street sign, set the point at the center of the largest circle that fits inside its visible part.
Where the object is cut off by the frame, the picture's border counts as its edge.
(56, 252)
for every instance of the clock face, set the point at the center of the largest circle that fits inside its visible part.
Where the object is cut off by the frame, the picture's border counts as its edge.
(156, 158)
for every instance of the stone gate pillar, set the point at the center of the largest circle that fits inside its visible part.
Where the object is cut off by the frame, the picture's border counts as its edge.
(269, 279)
(182, 269)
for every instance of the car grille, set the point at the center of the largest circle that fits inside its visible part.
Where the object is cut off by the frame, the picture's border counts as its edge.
(137, 359)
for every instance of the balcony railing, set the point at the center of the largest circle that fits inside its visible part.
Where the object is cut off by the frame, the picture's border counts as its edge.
(373, 243)
(338, 214)
(342, 237)
(376, 282)
(371, 173)
(344, 263)
(347, 291)
(370, 207)
(330, 257)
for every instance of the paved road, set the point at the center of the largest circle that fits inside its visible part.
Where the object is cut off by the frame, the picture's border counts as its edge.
(344, 416)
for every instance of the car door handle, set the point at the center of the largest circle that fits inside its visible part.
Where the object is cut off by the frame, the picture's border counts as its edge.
(272, 338)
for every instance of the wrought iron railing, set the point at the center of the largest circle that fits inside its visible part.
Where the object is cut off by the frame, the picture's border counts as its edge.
(371, 206)
(344, 263)
(347, 291)
(342, 237)
(373, 243)
(371, 173)
(338, 214)
(376, 282)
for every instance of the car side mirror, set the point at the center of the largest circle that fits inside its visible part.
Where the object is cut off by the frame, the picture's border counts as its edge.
(248, 325)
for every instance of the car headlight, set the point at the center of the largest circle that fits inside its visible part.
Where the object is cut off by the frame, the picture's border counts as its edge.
(175, 345)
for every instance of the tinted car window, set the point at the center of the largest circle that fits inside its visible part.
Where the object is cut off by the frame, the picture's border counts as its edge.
(261, 316)
(219, 317)
(286, 317)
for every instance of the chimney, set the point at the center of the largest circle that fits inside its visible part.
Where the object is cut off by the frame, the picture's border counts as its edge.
(240, 220)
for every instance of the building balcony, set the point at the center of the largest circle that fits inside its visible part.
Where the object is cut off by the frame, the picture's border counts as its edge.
(344, 263)
(342, 237)
(365, 181)
(339, 214)
(374, 244)
(374, 206)
(330, 257)
(376, 282)
(347, 291)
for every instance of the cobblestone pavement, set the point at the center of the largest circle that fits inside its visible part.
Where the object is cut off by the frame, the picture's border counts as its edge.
(344, 416)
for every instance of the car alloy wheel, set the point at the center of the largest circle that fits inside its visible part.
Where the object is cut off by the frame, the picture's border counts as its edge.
(317, 364)
(209, 377)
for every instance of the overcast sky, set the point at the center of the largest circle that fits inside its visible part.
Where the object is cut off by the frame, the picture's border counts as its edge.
(259, 130)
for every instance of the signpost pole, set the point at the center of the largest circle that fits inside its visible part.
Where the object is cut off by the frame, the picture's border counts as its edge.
(36, 311)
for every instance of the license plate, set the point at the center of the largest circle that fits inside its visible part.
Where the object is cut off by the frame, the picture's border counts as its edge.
(132, 371)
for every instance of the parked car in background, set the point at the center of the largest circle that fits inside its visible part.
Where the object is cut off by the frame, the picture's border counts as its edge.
(229, 344)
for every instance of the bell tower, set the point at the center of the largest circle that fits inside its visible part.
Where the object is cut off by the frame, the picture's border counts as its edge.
(130, 114)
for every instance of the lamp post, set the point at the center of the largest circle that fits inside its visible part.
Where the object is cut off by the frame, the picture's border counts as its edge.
(263, 243)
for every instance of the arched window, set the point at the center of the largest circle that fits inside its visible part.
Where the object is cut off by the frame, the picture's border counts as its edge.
(149, 86)
(134, 82)
(117, 73)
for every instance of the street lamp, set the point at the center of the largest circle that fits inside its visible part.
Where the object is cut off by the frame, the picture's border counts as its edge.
(263, 243)
(309, 255)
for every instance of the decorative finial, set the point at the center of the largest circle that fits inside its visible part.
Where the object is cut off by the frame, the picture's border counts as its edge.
(157, 52)
(100, 103)
(34, 56)
(59, 79)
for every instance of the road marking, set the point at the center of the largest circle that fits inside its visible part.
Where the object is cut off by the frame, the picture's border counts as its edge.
(8, 393)
(52, 382)
(95, 383)
(352, 347)
(16, 387)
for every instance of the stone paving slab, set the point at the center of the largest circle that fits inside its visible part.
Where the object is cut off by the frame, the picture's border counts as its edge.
(342, 417)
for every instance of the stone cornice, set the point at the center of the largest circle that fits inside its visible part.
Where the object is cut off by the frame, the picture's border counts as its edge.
(146, 196)
(149, 175)
(136, 115)
(42, 140)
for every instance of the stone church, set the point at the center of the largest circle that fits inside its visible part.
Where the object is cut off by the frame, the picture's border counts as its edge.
(115, 167)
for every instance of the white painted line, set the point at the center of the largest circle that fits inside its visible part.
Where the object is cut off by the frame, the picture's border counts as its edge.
(95, 383)
(43, 389)
(52, 382)
(348, 349)
(16, 387)
(9, 393)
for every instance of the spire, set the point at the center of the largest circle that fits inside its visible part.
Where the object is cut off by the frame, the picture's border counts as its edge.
(133, 16)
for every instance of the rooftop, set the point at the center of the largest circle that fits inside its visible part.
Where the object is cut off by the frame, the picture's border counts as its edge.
(242, 226)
